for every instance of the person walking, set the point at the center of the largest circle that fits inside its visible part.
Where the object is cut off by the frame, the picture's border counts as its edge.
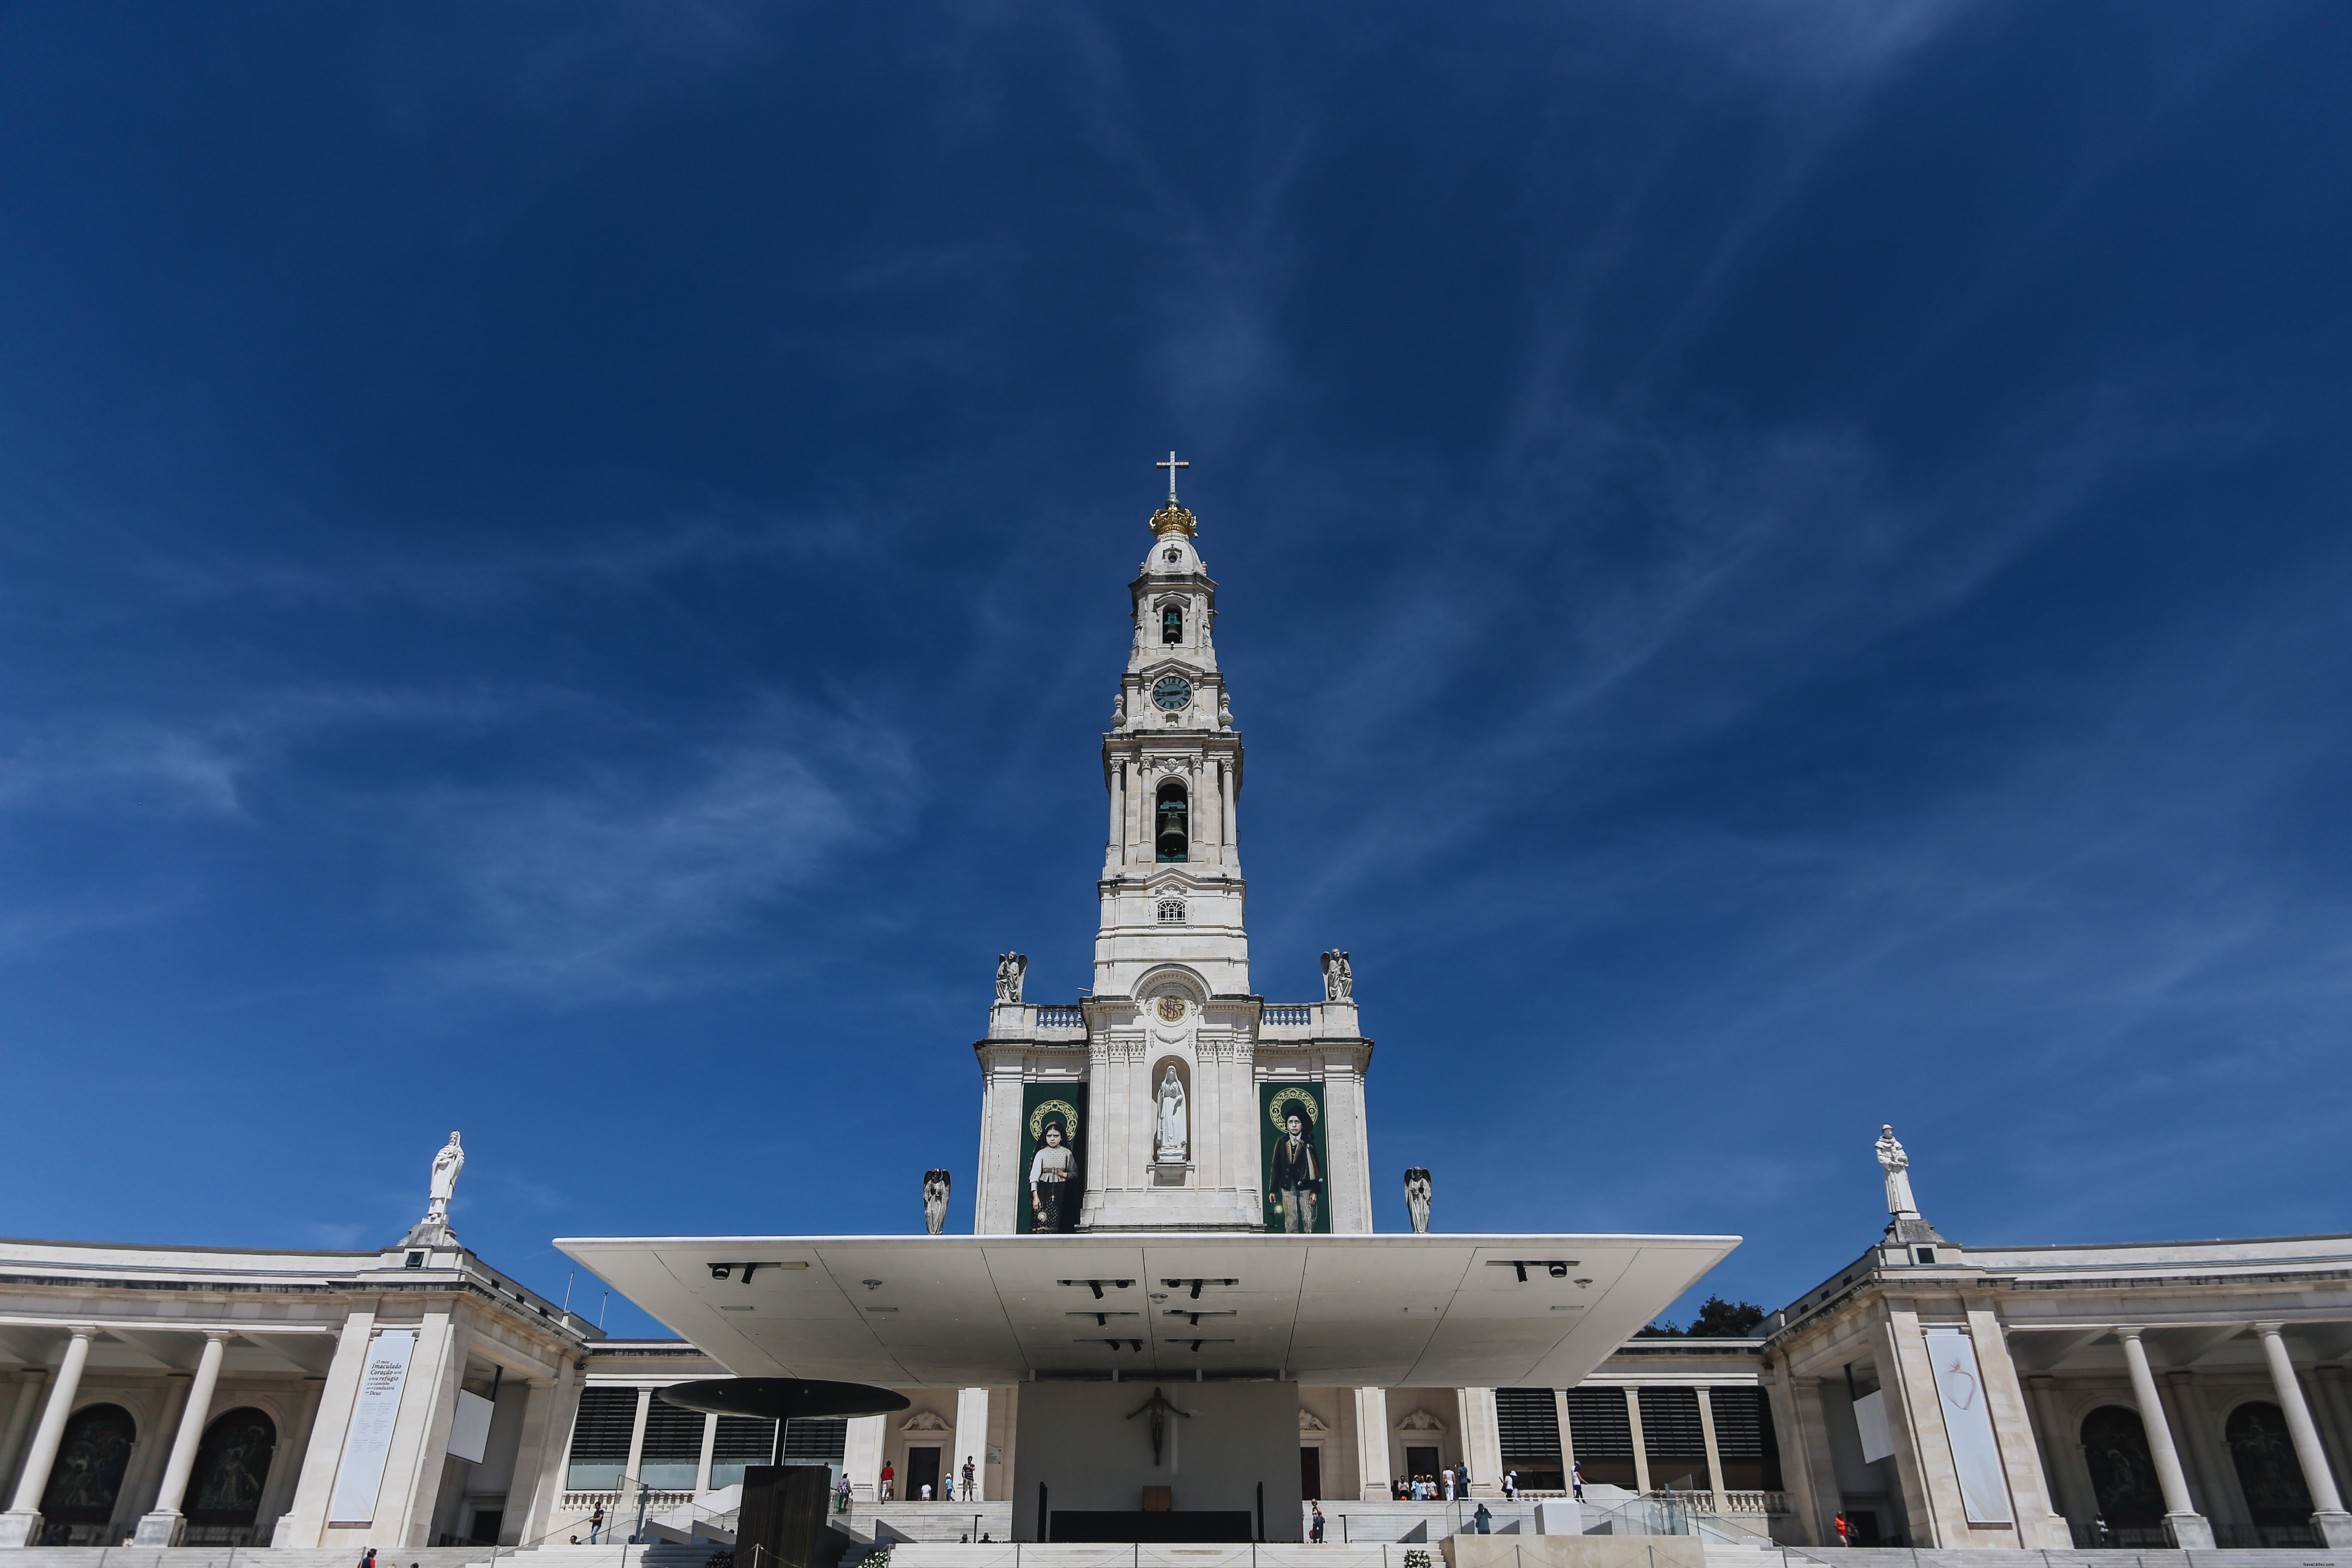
(367, 1558)
(1315, 1527)
(1575, 1480)
(1510, 1486)
(840, 1495)
(889, 1479)
(1845, 1531)
(595, 1523)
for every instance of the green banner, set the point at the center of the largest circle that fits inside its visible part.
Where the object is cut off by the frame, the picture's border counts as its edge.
(1296, 1167)
(1045, 1203)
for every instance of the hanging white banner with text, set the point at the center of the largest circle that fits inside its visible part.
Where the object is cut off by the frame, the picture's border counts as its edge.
(368, 1441)
(1967, 1421)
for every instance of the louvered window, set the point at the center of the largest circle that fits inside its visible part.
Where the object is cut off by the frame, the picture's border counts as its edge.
(816, 1441)
(673, 1453)
(1674, 1438)
(600, 1438)
(742, 1440)
(1530, 1426)
(1601, 1435)
(1744, 1440)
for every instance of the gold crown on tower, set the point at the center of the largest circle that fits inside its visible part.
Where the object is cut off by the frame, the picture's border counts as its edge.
(1174, 519)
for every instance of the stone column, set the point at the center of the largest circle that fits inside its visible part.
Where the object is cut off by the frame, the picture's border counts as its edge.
(1819, 1497)
(970, 1442)
(543, 1456)
(861, 1455)
(2189, 1527)
(305, 1523)
(2049, 1433)
(1714, 1454)
(2334, 1428)
(1372, 1445)
(1567, 1437)
(164, 1524)
(1641, 1444)
(2327, 1515)
(2039, 1525)
(703, 1461)
(1482, 1440)
(285, 1461)
(2187, 1436)
(20, 1417)
(23, 1521)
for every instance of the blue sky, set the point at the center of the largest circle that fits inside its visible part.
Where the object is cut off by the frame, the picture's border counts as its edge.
(1783, 566)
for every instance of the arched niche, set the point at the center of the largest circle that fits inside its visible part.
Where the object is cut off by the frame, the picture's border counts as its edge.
(91, 1458)
(2262, 1451)
(232, 1468)
(2123, 1472)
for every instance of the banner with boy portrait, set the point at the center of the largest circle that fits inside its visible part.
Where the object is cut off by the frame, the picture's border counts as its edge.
(1296, 1167)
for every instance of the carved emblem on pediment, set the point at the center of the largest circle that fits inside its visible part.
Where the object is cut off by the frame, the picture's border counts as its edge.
(924, 1421)
(1419, 1421)
(1311, 1425)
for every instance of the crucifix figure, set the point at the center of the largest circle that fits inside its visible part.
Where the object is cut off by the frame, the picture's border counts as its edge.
(1159, 1409)
(1172, 465)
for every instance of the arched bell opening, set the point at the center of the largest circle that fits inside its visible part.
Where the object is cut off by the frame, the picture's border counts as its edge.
(1171, 624)
(1172, 834)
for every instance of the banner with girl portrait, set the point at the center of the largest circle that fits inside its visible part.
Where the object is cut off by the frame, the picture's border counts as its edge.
(1053, 1156)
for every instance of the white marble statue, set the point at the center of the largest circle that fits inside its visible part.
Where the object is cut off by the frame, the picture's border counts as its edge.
(1173, 1125)
(446, 1166)
(1897, 1166)
(1416, 1198)
(1338, 979)
(935, 1202)
(1009, 968)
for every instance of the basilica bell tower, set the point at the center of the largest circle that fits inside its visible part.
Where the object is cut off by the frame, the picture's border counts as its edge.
(1156, 1100)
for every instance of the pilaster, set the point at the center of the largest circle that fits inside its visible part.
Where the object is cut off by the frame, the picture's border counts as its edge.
(2039, 1525)
(1372, 1474)
(305, 1524)
(1482, 1440)
(1923, 1461)
(970, 1442)
(861, 1455)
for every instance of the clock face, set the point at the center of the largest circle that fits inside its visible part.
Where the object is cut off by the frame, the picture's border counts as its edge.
(1171, 691)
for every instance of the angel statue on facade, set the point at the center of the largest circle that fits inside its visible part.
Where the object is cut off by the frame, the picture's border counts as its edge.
(1339, 980)
(935, 1202)
(1416, 1198)
(1009, 968)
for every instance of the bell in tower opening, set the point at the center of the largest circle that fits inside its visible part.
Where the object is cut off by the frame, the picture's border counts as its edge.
(1173, 842)
(1171, 624)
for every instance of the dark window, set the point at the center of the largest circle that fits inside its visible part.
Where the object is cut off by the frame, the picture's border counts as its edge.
(1744, 1439)
(1421, 1464)
(2122, 1475)
(88, 1470)
(1602, 1435)
(740, 1441)
(816, 1440)
(232, 1464)
(2270, 1474)
(1529, 1424)
(1310, 1473)
(673, 1451)
(600, 1438)
(1171, 624)
(1172, 836)
(922, 1471)
(1676, 1440)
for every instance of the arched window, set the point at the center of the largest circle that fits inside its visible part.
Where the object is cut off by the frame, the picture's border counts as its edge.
(2269, 1473)
(1173, 835)
(1172, 623)
(88, 1470)
(1172, 912)
(2122, 1475)
(232, 1464)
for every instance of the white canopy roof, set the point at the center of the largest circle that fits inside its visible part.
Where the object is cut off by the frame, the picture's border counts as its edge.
(965, 1312)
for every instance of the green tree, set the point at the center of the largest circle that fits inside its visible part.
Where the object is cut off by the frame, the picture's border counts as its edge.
(1717, 1319)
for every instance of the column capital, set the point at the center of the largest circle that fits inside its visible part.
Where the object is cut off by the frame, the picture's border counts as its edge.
(2269, 1331)
(2125, 1331)
(86, 1331)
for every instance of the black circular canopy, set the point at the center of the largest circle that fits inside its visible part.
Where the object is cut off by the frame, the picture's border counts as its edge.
(783, 1398)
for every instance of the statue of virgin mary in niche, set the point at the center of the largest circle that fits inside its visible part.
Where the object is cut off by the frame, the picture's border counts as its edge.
(1172, 1125)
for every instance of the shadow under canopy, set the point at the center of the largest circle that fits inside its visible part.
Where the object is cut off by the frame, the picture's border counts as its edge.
(781, 1398)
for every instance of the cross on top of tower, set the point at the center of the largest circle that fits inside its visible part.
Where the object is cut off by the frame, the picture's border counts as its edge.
(1174, 518)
